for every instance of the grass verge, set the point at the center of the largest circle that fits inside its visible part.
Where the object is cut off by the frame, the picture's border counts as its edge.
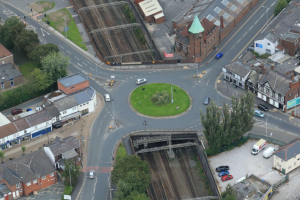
(46, 5)
(27, 68)
(121, 151)
(141, 100)
(57, 21)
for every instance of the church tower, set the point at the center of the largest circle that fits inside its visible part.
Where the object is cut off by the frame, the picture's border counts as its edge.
(197, 48)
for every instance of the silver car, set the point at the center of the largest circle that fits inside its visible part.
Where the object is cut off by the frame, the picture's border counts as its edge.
(92, 174)
(141, 80)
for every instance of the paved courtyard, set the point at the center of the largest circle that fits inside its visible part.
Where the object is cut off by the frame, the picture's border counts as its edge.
(241, 162)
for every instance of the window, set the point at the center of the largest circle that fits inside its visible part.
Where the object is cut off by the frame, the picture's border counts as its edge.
(64, 112)
(11, 82)
(52, 174)
(225, 2)
(72, 88)
(209, 17)
(233, 8)
(44, 177)
(279, 96)
(28, 184)
(21, 190)
(34, 181)
(74, 108)
(18, 185)
(268, 44)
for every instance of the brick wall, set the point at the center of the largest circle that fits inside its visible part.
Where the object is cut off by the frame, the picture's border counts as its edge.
(254, 2)
(8, 59)
(290, 47)
(160, 20)
(73, 88)
(17, 81)
(294, 89)
(242, 14)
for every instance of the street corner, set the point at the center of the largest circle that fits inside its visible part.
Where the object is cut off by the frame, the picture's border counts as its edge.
(185, 67)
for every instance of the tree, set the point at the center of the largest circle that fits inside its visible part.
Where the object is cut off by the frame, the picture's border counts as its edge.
(2, 99)
(137, 196)
(280, 6)
(41, 51)
(5, 31)
(235, 124)
(16, 30)
(23, 149)
(70, 169)
(55, 65)
(2, 155)
(39, 80)
(247, 102)
(26, 41)
(229, 194)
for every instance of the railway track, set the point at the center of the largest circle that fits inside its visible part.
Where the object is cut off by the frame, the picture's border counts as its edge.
(186, 174)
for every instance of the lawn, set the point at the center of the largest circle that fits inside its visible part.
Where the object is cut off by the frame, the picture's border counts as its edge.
(45, 5)
(121, 151)
(27, 68)
(57, 21)
(140, 100)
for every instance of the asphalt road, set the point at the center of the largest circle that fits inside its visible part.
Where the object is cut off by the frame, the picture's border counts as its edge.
(102, 141)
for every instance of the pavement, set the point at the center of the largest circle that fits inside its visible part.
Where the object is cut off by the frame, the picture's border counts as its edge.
(241, 162)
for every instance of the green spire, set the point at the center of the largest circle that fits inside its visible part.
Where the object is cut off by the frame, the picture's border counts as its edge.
(196, 27)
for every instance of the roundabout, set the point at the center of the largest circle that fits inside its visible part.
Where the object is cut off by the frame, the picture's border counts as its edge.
(160, 100)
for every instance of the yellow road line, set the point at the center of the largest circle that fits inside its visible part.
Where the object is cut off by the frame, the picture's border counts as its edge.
(69, 7)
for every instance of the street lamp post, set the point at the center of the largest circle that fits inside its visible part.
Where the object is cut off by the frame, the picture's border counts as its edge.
(172, 93)
(267, 125)
(66, 26)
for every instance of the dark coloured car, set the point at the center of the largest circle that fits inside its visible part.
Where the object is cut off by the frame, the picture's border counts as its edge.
(226, 177)
(206, 100)
(28, 109)
(222, 168)
(219, 55)
(57, 124)
(16, 111)
(263, 107)
(223, 173)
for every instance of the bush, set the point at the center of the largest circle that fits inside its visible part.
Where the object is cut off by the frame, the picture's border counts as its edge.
(161, 98)
(280, 6)
(67, 191)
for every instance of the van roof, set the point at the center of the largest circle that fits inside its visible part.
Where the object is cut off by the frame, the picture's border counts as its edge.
(260, 142)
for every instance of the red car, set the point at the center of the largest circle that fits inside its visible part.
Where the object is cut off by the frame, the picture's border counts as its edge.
(16, 111)
(226, 177)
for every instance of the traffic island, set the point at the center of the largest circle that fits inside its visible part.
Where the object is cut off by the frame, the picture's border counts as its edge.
(160, 100)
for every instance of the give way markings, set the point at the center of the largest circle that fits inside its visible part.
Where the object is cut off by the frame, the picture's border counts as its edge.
(43, 31)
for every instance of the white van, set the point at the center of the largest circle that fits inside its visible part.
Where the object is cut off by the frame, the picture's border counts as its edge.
(269, 152)
(258, 146)
(107, 97)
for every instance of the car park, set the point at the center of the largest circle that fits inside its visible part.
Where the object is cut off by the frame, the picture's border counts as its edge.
(206, 100)
(92, 174)
(222, 168)
(107, 97)
(259, 114)
(141, 80)
(226, 177)
(16, 111)
(219, 55)
(263, 107)
(223, 173)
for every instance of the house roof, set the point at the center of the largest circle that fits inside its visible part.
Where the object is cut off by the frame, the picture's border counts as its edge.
(281, 48)
(196, 26)
(272, 37)
(69, 154)
(4, 52)
(246, 56)
(52, 110)
(289, 151)
(38, 118)
(238, 68)
(62, 145)
(7, 130)
(292, 37)
(71, 80)
(8, 71)
(277, 81)
(149, 7)
(3, 120)
(21, 124)
(27, 168)
(65, 103)
(84, 95)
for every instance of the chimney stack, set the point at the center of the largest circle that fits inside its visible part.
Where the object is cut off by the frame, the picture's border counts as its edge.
(222, 22)
(291, 84)
(272, 67)
(264, 71)
(293, 76)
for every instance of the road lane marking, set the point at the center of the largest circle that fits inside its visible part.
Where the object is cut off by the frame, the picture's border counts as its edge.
(61, 47)
(251, 28)
(76, 58)
(245, 34)
(69, 52)
(238, 40)
(84, 64)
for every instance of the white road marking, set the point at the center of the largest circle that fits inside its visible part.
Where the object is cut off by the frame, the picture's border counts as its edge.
(245, 34)
(256, 22)
(84, 64)
(61, 47)
(76, 58)
(238, 40)
(42, 30)
(251, 28)
(92, 69)
(69, 52)
(207, 82)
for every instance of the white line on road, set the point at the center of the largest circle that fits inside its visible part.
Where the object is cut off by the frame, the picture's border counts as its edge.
(238, 40)
(92, 69)
(69, 52)
(273, 4)
(251, 28)
(84, 64)
(256, 22)
(61, 47)
(76, 58)
(207, 82)
(260, 16)
(88, 62)
(245, 34)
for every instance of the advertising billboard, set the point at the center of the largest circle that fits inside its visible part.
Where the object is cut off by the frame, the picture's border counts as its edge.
(259, 45)
(293, 103)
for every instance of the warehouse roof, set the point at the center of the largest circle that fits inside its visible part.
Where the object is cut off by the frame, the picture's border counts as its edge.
(150, 7)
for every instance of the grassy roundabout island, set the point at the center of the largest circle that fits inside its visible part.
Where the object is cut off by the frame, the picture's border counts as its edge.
(156, 100)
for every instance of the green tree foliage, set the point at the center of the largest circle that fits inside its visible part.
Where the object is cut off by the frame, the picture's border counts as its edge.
(2, 99)
(229, 194)
(280, 6)
(2, 155)
(137, 196)
(23, 149)
(5, 31)
(26, 42)
(70, 169)
(130, 174)
(55, 65)
(223, 128)
(41, 51)
(161, 98)
(39, 80)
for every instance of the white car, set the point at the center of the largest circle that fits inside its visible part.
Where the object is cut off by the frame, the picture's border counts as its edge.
(92, 174)
(141, 80)
(107, 97)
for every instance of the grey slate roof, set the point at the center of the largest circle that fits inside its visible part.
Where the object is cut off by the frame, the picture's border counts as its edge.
(73, 79)
(238, 68)
(272, 37)
(65, 103)
(277, 81)
(288, 151)
(69, 154)
(52, 110)
(8, 71)
(38, 118)
(292, 37)
(57, 147)
(246, 56)
(27, 168)
(85, 95)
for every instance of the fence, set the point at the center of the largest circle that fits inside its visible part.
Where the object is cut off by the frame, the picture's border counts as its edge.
(269, 139)
(283, 180)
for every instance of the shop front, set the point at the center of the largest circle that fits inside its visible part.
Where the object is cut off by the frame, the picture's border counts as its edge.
(25, 137)
(71, 117)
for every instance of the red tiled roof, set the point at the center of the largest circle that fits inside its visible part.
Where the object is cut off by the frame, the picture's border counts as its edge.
(280, 47)
(7, 130)
(4, 52)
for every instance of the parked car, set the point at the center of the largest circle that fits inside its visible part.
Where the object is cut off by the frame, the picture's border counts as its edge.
(107, 97)
(222, 168)
(206, 100)
(250, 48)
(226, 177)
(259, 114)
(269, 152)
(92, 174)
(141, 80)
(219, 55)
(28, 109)
(57, 124)
(16, 111)
(263, 107)
(223, 173)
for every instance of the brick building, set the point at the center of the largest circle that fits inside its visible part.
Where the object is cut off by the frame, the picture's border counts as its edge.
(27, 174)
(10, 76)
(5, 56)
(72, 83)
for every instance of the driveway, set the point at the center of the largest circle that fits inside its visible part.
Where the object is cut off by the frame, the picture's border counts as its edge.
(53, 192)
(241, 162)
